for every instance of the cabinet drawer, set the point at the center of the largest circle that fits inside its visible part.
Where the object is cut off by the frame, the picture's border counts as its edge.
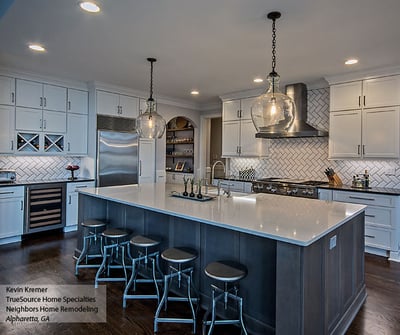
(379, 216)
(11, 192)
(75, 187)
(377, 237)
(364, 198)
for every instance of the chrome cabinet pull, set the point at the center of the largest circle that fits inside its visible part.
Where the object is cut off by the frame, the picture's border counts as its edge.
(41, 125)
(69, 146)
(359, 101)
(370, 216)
(22, 205)
(69, 200)
(140, 168)
(44, 124)
(82, 186)
(69, 105)
(41, 101)
(364, 101)
(12, 145)
(45, 102)
(370, 236)
(358, 149)
(12, 97)
(359, 198)
(7, 192)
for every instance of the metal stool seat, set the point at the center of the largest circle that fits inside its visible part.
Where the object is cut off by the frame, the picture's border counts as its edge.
(228, 272)
(92, 234)
(178, 257)
(140, 262)
(114, 241)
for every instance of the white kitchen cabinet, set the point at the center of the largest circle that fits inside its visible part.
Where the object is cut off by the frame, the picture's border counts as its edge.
(324, 194)
(238, 131)
(6, 129)
(367, 133)
(71, 208)
(368, 93)
(114, 104)
(12, 213)
(30, 119)
(77, 134)
(7, 90)
(77, 101)
(238, 139)
(37, 95)
(147, 161)
(381, 221)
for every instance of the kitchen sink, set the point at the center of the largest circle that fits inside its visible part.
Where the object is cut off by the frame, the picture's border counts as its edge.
(214, 191)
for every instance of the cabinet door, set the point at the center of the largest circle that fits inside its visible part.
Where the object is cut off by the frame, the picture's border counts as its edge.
(12, 211)
(245, 107)
(249, 144)
(54, 98)
(231, 110)
(345, 96)
(71, 212)
(29, 94)
(230, 138)
(129, 106)
(380, 92)
(28, 119)
(7, 90)
(77, 101)
(147, 161)
(6, 129)
(107, 103)
(54, 121)
(381, 132)
(345, 134)
(77, 134)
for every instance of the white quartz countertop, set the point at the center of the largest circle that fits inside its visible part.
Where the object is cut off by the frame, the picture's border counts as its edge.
(294, 220)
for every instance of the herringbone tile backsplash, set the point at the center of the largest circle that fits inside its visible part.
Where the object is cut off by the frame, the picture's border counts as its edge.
(308, 157)
(39, 167)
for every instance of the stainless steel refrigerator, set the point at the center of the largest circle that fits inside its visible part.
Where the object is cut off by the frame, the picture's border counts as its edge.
(117, 158)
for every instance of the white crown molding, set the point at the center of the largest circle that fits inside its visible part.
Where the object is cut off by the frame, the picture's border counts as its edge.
(43, 78)
(144, 95)
(360, 75)
(242, 94)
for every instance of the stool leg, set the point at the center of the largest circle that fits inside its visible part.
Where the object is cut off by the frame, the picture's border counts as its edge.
(241, 316)
(189, 281)
(123, 263)
(83, 254)
(101, 268)
(162, 302)
(153, 265)
(213, 312)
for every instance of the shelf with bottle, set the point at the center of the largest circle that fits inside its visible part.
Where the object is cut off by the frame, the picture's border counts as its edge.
(53, 143)
(28, 142)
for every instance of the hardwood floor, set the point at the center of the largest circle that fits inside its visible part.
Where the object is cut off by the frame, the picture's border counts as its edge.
(48, 259)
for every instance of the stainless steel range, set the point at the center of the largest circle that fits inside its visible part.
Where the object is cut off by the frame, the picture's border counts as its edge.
(285, 186)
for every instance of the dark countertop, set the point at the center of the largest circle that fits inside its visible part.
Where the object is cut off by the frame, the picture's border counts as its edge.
(236, 179)
(48, 181)
(376, 190)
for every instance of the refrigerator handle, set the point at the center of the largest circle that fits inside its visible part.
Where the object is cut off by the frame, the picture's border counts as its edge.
(140, 168)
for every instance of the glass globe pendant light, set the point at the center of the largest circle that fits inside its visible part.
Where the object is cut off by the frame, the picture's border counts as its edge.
(273, 112)
(150, 124)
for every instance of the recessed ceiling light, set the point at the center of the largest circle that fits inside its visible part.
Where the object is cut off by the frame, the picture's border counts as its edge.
(37, 47)
(89, 6)
(351, 61)
(195, 92)
(258, 80)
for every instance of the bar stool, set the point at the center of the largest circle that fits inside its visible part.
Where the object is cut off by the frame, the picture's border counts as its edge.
(143, 243)
(92, 229)
(228, 272)
(114, 242)
(179, 257)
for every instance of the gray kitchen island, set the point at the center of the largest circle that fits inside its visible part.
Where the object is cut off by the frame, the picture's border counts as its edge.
(305, 257)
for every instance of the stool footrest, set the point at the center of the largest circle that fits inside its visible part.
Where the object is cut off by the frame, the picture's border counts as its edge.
(175, 320)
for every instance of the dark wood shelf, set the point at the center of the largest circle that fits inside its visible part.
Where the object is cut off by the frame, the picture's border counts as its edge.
(180, 156)
(180, 129)
(188, 142)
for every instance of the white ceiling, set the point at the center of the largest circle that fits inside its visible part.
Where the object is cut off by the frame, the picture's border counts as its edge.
(215, 46)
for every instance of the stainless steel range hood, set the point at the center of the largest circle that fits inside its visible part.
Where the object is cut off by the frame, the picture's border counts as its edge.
(299, 128)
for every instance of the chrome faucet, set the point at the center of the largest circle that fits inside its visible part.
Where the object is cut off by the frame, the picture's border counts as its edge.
(213, 168)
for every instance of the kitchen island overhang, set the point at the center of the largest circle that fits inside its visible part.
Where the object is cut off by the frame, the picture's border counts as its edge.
(305, 257)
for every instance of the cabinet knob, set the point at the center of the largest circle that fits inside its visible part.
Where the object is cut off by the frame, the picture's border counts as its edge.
(12, 97)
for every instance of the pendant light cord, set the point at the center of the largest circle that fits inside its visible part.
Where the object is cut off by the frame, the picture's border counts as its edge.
(273, 46)
(151, 60)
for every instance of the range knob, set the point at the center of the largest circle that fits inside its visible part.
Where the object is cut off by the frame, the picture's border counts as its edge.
(294, 191)
(273, 189)
(289, 192)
